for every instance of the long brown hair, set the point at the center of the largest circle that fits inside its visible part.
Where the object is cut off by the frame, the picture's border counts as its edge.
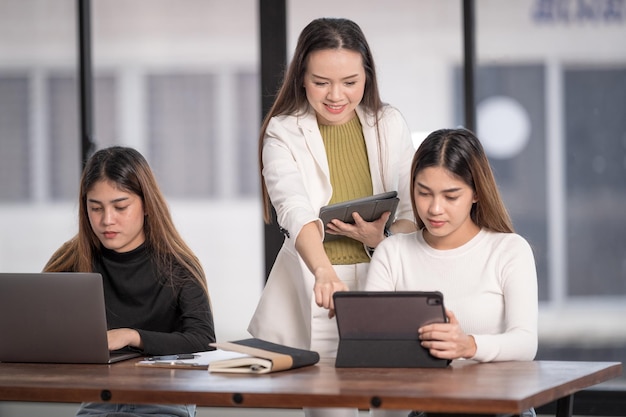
(460, 152)
(129, 171)
(320, 34)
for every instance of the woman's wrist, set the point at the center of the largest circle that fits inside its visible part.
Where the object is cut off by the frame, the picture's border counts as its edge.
(471, 348)
(371, 249)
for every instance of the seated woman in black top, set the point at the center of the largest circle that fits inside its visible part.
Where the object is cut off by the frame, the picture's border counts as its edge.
(155, 289)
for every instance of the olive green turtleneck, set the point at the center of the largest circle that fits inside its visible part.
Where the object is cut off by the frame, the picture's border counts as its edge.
(350, 178)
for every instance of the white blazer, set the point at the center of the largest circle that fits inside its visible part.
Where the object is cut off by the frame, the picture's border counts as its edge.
(296, 174)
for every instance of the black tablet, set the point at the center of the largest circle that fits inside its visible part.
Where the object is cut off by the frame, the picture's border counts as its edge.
(379, 329)
(370, 208)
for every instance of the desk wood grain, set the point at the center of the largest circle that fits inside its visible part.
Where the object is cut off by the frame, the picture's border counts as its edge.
(465, 386)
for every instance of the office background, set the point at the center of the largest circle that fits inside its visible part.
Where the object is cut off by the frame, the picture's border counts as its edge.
(179, 80)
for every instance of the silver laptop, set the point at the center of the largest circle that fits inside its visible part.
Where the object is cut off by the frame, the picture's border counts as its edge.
(54, 318)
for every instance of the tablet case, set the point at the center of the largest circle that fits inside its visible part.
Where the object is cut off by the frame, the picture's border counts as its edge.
(370, 208)
(379, 329)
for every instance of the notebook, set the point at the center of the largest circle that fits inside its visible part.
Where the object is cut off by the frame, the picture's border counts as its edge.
(54, 318)
(379, 329)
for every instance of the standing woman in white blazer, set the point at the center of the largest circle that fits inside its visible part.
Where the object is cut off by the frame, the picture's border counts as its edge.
(328, 138)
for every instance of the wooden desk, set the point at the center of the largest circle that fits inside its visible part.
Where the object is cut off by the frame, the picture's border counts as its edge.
(464, 387)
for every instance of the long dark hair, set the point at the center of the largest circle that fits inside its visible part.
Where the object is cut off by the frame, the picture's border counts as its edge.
(320, 34)
(129, 171)
(460, 152)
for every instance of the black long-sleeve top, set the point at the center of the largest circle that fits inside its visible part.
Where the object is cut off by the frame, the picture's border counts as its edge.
(169, 318)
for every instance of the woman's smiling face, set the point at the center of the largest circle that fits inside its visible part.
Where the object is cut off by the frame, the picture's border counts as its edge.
(334, 83)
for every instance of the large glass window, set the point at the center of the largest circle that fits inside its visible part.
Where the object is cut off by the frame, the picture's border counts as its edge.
(14, 146)
(62, 130)
(551, 94)
(511, 123)
(595, 131)
(246, 123)
(182, 133)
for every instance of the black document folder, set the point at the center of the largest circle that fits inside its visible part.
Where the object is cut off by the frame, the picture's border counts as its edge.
(262, 357)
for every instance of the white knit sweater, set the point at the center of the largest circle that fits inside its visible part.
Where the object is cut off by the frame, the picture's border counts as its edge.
(490, 284)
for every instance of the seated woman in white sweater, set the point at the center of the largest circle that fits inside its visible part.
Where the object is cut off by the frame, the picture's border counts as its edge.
(465, 248)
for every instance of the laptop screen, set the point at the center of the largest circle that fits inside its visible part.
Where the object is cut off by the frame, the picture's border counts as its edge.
(53, 318)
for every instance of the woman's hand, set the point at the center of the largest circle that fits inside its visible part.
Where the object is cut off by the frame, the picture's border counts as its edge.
(310, 247)
(447, 340)
(120, 338)
(326, 284)
(368, 233)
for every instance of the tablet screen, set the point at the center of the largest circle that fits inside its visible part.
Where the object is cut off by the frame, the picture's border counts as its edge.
(386, 315)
